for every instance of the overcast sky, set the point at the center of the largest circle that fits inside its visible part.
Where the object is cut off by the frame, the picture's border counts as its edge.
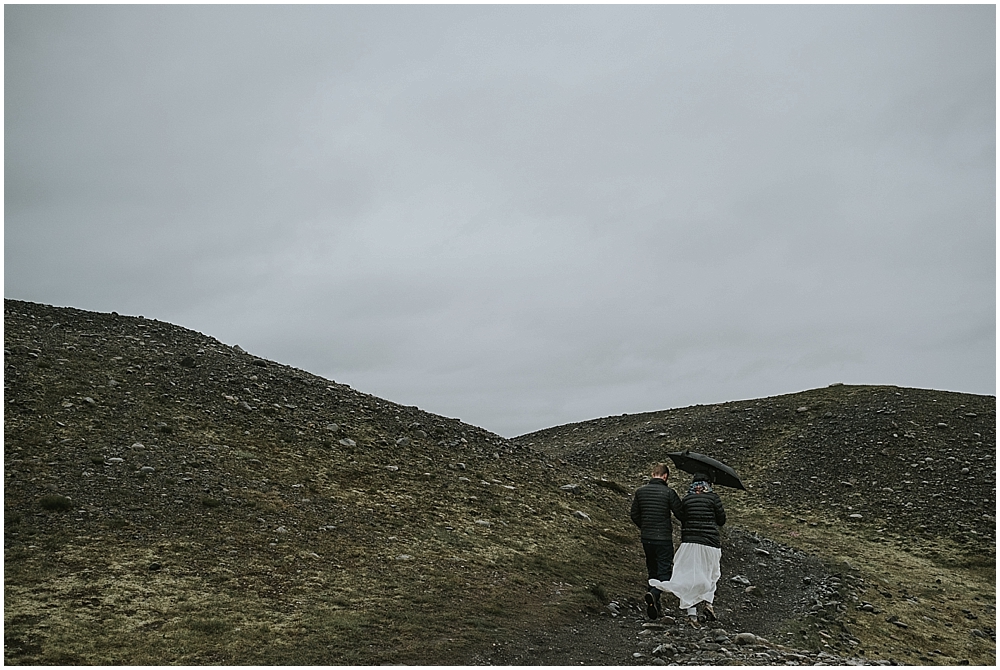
(520, 216)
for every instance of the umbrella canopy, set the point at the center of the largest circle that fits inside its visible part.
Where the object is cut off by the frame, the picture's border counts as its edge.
(718, 472)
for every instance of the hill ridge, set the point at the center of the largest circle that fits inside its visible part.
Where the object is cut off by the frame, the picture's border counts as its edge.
(774, 442)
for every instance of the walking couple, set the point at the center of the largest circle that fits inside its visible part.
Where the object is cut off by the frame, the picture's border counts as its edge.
(692, 577)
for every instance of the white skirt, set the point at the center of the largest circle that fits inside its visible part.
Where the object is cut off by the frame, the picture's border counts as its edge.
(696, 572)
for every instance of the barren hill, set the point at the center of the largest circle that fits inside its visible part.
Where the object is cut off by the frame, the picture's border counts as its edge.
(172, 499)
(905, 461)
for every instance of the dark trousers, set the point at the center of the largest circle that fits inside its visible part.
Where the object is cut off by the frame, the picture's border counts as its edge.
(659, 562)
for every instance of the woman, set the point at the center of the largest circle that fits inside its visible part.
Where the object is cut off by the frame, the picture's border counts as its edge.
(696, 565)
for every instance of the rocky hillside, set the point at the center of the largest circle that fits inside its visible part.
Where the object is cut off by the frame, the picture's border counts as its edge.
(901, 461)
(170, 499)
(209, 506)
(898, 482)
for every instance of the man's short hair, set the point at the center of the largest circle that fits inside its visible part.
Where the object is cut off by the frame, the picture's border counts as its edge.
(660, 469)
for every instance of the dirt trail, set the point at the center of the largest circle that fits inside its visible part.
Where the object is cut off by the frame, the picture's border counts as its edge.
(764, 586)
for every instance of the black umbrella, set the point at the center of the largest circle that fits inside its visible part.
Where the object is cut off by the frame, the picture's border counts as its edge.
(718, 472)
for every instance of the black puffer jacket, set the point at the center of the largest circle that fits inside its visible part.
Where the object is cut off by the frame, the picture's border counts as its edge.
(651, 508)
(701, 515)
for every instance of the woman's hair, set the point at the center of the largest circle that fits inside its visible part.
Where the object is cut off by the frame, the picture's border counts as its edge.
(700, 477)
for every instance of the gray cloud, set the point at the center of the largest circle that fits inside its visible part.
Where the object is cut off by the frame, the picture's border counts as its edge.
(521, 215)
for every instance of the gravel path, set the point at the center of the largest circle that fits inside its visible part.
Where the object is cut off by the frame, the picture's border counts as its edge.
(765, 585)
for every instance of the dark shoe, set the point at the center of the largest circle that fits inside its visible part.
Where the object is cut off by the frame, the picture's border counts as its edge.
(709, 612)
(693, 620)
(651, 610)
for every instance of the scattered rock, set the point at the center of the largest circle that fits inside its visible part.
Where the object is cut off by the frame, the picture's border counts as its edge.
(56, 503)
(665, 650)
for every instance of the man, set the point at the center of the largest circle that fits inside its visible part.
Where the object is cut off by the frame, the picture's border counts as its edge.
(651, 508)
